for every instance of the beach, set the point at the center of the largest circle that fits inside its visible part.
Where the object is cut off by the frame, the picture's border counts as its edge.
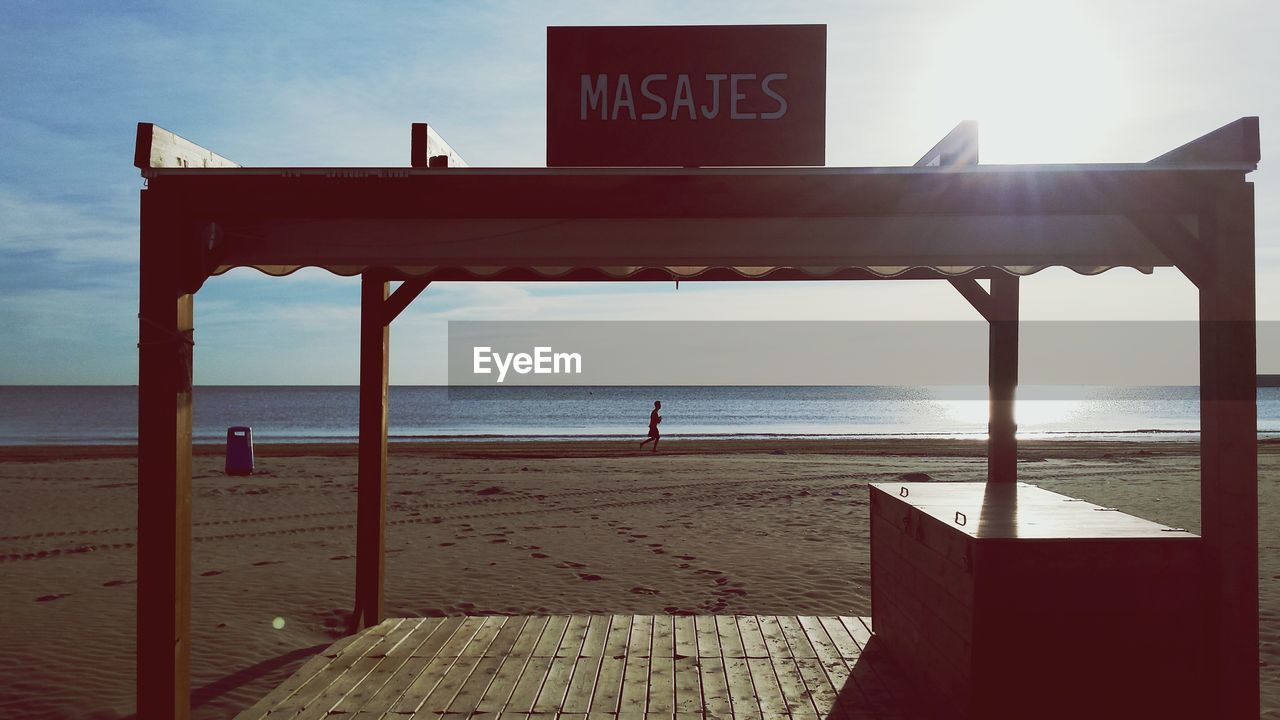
(715, 527)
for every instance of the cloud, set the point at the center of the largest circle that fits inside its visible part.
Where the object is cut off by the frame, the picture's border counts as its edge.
(70, 231)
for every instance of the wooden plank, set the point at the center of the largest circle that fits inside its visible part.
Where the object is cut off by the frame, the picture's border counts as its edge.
(587, 669)
(608, 690)
(556, 686)
(840, 637)
(472, 691)
(400, 299)
(461, 637)
(371, 486)
(730, 640)
(304, 674)
(619, 635)
(341, 683)
(688, 685)
(715, 686)
(507, 637)
(443, 632)
(686, 636)
(499, 692)
(549, 643)
(443, 694)
(708, 636)
(663, 637)
(1235, 144)
(489, 628)
(428, 149)
(404, 666)
(775, 641)
(795, 636)
(164, 468)
(575, 633)
(635, 681)
(768, 693)
(957, 148)
(308, 691)
(742, 693)
(820, 689)
(526, 689)
(662, 697)
(426, 682)
(752, 638)
(389, 655)
(821, 642)
(795, 692)
(529, 636)
(661, 700)
(156, 147)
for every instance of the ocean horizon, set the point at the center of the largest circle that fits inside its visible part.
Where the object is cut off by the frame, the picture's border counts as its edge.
(79, 415)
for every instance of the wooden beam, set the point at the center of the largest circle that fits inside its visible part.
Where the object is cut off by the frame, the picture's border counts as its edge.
(959, 147)
(1180, 245)
(1228, 453)
(408, 291)
(164, 469)
(428, 149)
(1235, 145)
(156, 147)
(371, 491)
(1002, 448)
(980, 299)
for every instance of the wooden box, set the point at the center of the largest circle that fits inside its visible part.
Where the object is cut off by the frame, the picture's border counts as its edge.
(1008, 601)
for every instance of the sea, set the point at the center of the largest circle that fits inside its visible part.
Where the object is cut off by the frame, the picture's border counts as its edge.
(108, 415)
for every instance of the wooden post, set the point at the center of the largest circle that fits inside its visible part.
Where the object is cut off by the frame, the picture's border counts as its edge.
(1229, 453)
(371, 503)
(164, 468)
(1002, 379)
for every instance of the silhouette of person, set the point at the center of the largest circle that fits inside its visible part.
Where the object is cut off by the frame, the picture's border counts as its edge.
(654, 419)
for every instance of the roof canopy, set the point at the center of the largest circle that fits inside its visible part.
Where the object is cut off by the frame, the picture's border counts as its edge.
(460, 223)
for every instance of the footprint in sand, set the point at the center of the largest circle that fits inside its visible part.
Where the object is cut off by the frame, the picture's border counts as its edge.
(117, 583)
(260, 563)
(51, 598)
(686, 557)
(342, 557)
(210, 573)
(538, 555)
(570, 564)
(590, 577)
(642, 590)
(447, 544)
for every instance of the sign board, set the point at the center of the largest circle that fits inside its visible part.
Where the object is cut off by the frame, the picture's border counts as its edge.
(686, 96)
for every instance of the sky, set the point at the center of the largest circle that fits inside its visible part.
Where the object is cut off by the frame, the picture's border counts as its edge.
(333, 84)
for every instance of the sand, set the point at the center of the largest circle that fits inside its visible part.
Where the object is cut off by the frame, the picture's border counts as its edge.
(702, 527)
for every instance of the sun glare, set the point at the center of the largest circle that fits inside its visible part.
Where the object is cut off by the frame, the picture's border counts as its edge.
(1045, 82)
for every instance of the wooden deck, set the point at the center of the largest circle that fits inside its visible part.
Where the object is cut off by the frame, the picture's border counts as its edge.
(586, 667)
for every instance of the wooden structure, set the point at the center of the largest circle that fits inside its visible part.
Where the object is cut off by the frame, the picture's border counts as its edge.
(578, 667)
(982, 591)
(947, 219)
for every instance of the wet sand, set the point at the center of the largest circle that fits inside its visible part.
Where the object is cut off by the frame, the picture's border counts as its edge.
(725, 526)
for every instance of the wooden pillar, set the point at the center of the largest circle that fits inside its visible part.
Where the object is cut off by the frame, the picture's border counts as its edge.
(1002, 379)
(1229, 453)
(372, 490)
(164, 468)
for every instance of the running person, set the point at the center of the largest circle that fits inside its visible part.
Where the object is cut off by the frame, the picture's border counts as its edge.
(654, 419)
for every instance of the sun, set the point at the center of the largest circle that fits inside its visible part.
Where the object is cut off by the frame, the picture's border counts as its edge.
(1046, 82)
